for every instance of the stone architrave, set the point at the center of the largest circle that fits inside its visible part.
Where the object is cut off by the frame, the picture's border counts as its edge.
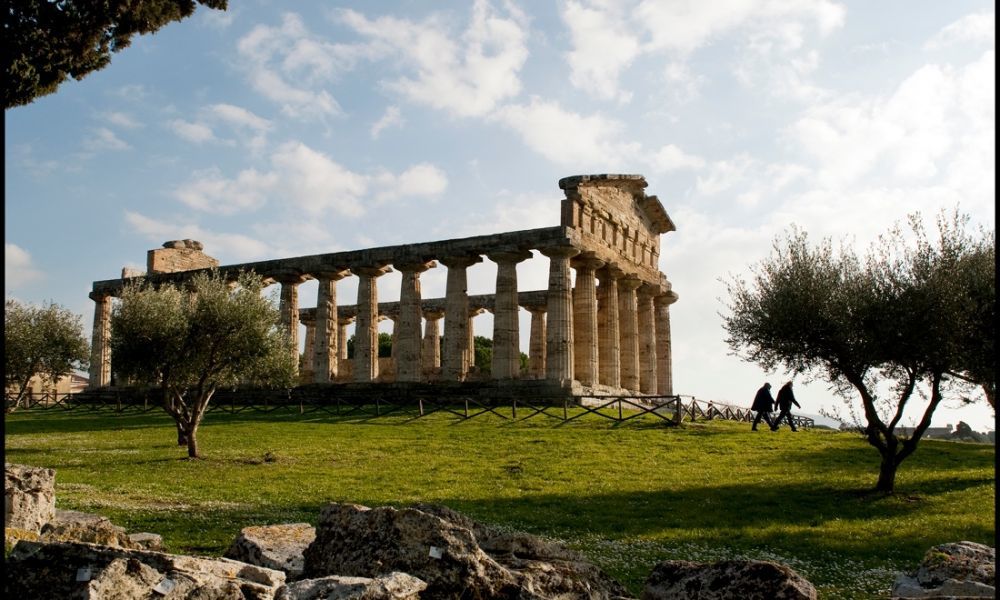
(647, 338)
(100, 349)
(664, 359)
(536, 343)
(559, 334)
(455, 356)
(629, 330)
(585, 342)
(406, 347)
(506, 326)
(289, 308)
(327, 330)
(609, 340)
(366, 331)
(432, 340)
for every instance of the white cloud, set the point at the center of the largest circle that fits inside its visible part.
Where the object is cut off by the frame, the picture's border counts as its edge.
(467, 73)
(604, 44)
(391, 118)
(977, 28)
(104, 139)
(423, 180)
(227, 247)
(314, 182)
(670, 157)
(210, 192)
(192, 132)
(19, 269)
(238, 117)
(120, 119)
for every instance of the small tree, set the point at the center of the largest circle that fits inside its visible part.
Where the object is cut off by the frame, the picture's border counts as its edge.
(49, 40)
(911, 314)
(191, 341)
(46, 341)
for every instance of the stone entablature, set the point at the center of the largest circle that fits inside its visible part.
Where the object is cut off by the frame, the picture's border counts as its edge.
(608, 332)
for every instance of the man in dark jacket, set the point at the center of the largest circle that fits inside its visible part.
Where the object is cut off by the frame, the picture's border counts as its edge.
(785, 401)
(763, 403)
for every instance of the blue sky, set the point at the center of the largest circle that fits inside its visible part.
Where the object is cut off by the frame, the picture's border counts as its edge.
(282, 129)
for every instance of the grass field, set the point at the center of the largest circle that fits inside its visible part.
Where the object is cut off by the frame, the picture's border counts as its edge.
(627, 496)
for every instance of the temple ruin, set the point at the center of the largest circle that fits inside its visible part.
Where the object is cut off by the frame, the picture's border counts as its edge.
(607, 335)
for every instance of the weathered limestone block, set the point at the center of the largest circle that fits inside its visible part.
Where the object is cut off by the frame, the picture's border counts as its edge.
(455, 556)
(179, 255)
(726, 580)
(959, 569)
(79, 570)
(29, 497)
(73, 526)
(146, 541)
(393, 586)
(273, 546)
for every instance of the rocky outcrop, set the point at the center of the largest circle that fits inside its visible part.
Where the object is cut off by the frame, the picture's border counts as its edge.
(274, 546)
(73, 526)
(443, 550)
(393, 586)
(726, 580)
(79, 570)
(29, 497)
(959, 569)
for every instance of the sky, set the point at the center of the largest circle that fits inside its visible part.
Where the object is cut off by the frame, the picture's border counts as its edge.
(279, 129)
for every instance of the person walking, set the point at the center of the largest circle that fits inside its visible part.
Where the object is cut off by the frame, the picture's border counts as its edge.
(763, 404)
(785, 401)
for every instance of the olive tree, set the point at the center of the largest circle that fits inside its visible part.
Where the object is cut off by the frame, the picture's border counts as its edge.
(914, 318)
(188, 340)
(46, 341)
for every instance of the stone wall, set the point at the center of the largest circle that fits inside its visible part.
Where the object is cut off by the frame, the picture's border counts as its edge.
(179, 255)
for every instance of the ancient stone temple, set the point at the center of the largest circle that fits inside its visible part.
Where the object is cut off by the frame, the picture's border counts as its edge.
(609, 334)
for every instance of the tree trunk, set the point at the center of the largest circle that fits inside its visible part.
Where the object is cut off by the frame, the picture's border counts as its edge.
(182, 438)
(192, 441)
(886, 475)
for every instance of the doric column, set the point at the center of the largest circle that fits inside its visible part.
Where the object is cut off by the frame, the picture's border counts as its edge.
(470, 349)
(309, 352)
(664, 357)
(559, 334)
(629, 330)
(326, 346)
(289, 308)
(536, 342)
(366, 331)
(506, 326)
(609, 338)
(432, 340)
(100, 342)
(585, 351)
(647, 338)
(455, 357)
(406, 345)
(342, 325)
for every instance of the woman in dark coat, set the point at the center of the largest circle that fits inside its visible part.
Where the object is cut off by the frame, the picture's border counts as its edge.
(763, 403)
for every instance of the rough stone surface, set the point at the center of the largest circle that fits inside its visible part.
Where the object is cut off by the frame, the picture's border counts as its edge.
(393, 586)
(29, 497)
(959, 569)
(726, 580)
(273, 546)
(147, 541)
(179, 255)
(73, 526)
(442, 548)
(77, 570)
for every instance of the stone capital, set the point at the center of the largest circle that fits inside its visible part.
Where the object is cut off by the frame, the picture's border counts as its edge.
(610, 272)
(629, 282)
(371, 270)
(99, 296)
(460, 262)
(559, 251)
(536, 308)
(509, 256)
(415, 267)
(288, 276)
(331, 274)
(345, 320)
(433, 314)
(476, 311)
(586, 262)
(666, 299)
(649, 290)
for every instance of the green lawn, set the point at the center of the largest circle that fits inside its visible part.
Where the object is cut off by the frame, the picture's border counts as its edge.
(627, 495)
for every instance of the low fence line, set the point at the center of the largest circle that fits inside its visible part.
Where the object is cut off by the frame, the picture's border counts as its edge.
(671, 409)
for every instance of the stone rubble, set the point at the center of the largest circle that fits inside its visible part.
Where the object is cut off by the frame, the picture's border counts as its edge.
(726, 580)
(958, 569)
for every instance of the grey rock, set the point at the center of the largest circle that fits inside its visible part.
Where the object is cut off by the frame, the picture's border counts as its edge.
(73, 526)
(29, 497)
(147, 541)
(726, 580)
(393, 586)
(273, 546)
(61, 570)
(957, 569)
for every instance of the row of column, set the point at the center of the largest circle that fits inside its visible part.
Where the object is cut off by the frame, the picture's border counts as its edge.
(616, 334)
